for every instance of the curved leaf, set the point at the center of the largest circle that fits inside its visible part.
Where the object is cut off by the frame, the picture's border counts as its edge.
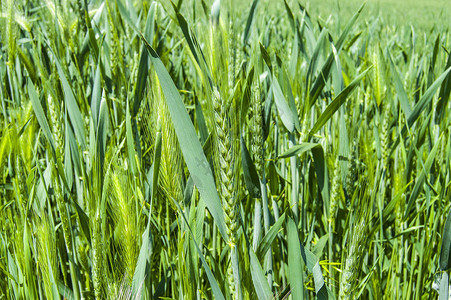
(285, 113)
(189, 143)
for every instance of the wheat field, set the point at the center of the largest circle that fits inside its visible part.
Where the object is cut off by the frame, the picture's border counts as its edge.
(224, 150)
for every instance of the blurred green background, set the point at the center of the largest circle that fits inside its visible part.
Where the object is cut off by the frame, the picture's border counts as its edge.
(422, 14)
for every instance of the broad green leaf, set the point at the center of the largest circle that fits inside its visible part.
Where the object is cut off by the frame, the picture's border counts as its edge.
(132, 11)
(258, 277)
(189, 143)
(14, 272)
(267, 115)
(285, 113)
(294, 263)
(28, 262)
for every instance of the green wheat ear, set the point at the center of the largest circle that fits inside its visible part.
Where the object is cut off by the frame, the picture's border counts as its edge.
(81, 15)
(171, 156)
(224, 169)
(257, 130)
(125, 209)
(9, 31)
(98, 258)
(46, 253)
(57, 131)
(224, 162)
(356, 243)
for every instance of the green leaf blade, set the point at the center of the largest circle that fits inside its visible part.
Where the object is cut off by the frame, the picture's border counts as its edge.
(189, 143)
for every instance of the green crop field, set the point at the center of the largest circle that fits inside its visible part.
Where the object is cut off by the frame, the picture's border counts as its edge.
(227, 150)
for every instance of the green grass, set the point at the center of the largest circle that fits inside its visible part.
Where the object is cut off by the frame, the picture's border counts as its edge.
(159, 150)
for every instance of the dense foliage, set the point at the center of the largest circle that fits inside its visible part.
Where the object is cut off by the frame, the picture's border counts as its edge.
(197, 150)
